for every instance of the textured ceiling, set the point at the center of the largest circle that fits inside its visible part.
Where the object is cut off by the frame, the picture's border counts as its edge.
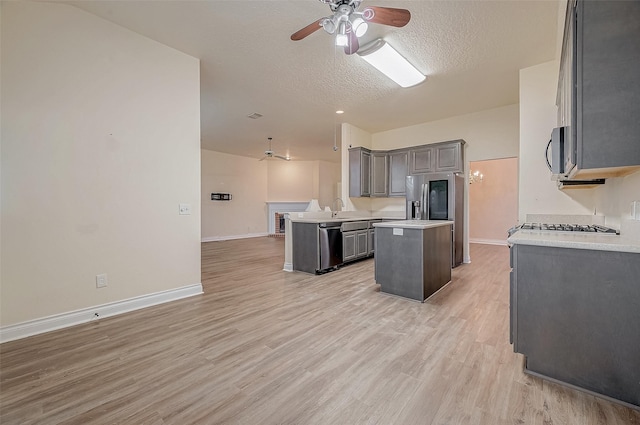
(471, 52)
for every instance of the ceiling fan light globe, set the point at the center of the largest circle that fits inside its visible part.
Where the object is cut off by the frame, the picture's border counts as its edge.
(342, 40)
(329, 25)
(359, 27)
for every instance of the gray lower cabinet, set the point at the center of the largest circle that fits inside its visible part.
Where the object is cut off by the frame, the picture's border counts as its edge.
(355, 245)
(413, 263)
(306, 255)
(348, 246)
(372, 247)
(574, 315)
(362, 243)
(398, 172)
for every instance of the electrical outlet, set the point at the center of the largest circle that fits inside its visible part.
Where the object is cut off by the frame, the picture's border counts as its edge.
(185, 209)
(101, 280)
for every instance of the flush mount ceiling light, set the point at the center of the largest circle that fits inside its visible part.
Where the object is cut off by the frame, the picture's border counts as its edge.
(388, 61)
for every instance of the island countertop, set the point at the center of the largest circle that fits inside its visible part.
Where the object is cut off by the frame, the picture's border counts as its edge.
(338, 219)
(413, 224)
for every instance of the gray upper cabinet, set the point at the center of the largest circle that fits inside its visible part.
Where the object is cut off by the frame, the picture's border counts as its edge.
(359, 172)
(379, 174)
(398, 171)
(383, 173)
(606, 60)
(437, 158)
(449, 157)
(421, 160)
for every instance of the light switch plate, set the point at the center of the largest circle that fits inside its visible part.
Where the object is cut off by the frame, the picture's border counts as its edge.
(101, 280)
(398, 231)
(635, 210)
(185, 209)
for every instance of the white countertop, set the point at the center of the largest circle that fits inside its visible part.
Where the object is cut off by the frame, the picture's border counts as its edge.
(594, 241)
(413, 224)
(337, 219)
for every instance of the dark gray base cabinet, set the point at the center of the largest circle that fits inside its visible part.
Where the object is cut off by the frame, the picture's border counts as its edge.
(415, 264)
(355, 245)
(575, 315)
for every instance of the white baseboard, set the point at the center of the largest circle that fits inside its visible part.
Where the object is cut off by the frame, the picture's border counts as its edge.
(502, 242)
(228, 238)
(65, 320)
(288, 267)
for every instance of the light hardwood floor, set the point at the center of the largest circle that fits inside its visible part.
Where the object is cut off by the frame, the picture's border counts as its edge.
(263, 346)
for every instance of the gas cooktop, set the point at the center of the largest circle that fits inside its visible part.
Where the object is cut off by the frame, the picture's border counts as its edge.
(587, 228)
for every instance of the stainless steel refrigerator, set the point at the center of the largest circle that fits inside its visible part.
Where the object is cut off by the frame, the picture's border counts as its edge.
(439, 196)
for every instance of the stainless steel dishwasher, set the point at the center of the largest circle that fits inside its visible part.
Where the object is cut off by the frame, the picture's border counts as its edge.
(330, 241)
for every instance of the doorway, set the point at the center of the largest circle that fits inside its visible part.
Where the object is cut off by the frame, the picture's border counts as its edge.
(493, 200)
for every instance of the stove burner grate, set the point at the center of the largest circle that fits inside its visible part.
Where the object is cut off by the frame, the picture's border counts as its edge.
(588, 228)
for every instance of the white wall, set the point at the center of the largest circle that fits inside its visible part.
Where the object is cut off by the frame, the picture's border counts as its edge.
(538, 194)
(613, 199)
(303, 180)
(489, 134)
(252, 184)
(100, 143)
(329, 176)
(493, 202)
(246, 180)
(352, 136)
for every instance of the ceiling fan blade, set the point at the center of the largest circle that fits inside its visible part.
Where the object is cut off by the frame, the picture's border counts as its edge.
(282, 157)
(263, 158)
(308, 30)
(353, 45)
(386, 16)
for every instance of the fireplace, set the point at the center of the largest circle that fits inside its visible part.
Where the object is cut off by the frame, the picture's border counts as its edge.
(276, 215)
(278, 224)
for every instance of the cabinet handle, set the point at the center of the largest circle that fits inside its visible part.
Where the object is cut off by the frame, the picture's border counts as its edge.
(546, 155)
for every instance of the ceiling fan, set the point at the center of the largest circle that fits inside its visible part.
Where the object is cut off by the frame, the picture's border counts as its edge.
(348, 23)
(269, 153)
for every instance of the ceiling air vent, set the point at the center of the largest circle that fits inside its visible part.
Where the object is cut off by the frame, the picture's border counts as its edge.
(254, 116)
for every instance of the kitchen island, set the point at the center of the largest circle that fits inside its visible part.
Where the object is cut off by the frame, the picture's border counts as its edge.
(413, 257)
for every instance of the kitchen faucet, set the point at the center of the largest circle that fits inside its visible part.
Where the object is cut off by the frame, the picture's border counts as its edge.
(335, 212)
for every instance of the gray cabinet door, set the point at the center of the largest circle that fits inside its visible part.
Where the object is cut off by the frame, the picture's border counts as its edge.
(348, 246)
(421, 160)
(306, 257)
(448, 158)
(372, 238)
(359, 172)
(379, 173)
(398, 171)
(608, 66)
(362, 243)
